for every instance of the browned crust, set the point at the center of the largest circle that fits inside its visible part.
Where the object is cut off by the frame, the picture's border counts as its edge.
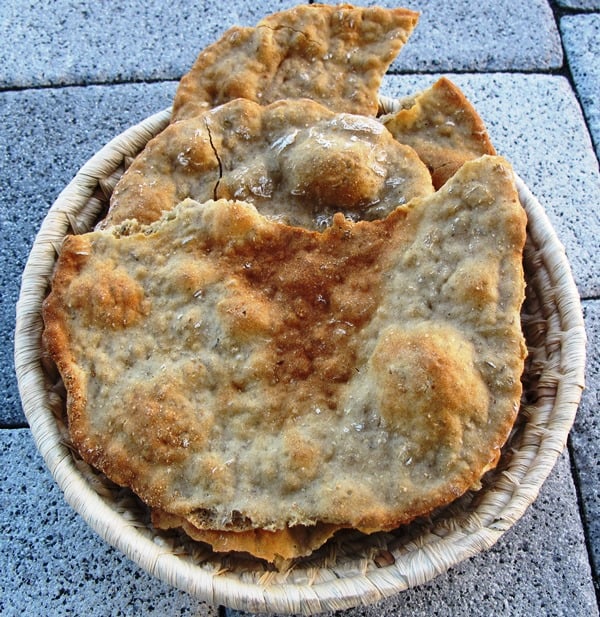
(303, 285)
(297, 53)
(288, 543)
(56, 339)
(443, 127)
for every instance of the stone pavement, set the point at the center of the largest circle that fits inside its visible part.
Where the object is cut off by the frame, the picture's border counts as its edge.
(74, 75)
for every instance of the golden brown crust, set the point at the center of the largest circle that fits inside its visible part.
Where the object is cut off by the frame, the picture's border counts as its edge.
(298, 53)
(443, 127)
(270, 376)
(287, 543)
(296, 161)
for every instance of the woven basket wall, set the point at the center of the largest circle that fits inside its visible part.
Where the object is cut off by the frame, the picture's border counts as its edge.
(352, 569)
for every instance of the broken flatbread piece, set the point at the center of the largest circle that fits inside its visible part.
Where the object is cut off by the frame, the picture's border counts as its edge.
(335, 55)
(296, 161)
(443, 127)
(243, 374)
(287, 543)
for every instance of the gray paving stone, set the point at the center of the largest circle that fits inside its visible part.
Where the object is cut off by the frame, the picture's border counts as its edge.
(586, 5)
(454, 36)
(581, 36)
(585, 437)
(536, 122)
(64, 42)
(45, 137)
(58, 566)
(53, 564)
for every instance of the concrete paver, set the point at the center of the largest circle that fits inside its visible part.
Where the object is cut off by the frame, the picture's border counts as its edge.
(581, 36)
(52, 563)
(78, 43)
(66, 42)
(507, 35)
(585, 436)
(585, 5)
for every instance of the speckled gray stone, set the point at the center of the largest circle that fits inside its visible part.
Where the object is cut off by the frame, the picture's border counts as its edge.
(67, 42)
(581, 36)
(51, 563)
(45, 137)
(585, 437)
(585, 5)
(536, 122)
(484, 36)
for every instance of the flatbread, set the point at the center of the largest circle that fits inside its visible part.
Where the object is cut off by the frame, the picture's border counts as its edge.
(335, 55)
(443, 127)
(296, 161)
(243, 374)
(287, 543)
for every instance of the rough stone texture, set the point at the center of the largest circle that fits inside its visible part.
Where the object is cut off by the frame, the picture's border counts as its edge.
(581, 36)
(53, 564)
(45, 137)
(585, 437)
(536, 122)
(585, 5)
(456, 36)
(64, 42)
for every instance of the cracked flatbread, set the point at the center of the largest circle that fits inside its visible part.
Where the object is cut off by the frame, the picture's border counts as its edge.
(243, 374)
(296, 161)
(443, 127)
(335, 55)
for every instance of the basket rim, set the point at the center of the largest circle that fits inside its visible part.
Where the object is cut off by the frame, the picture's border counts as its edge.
(355, 589)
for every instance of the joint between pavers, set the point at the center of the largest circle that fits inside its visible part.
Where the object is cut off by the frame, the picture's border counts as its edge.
(583, 516)
(86, 84)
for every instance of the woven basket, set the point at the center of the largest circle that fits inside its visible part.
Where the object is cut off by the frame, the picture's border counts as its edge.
(352, 569)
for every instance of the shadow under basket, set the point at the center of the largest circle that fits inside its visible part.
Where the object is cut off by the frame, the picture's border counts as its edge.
(352, 569)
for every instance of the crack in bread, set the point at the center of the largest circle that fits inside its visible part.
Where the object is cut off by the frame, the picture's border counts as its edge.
(302, 52)
(296, 161)
(243, 374)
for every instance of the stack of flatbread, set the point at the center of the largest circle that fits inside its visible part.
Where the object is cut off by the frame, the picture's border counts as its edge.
(297, 316)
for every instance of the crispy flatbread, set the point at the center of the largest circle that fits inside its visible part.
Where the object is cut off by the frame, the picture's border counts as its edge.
(296, 161)
(287, 543)
(243, 374)
(336, 55)
(443, 127)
